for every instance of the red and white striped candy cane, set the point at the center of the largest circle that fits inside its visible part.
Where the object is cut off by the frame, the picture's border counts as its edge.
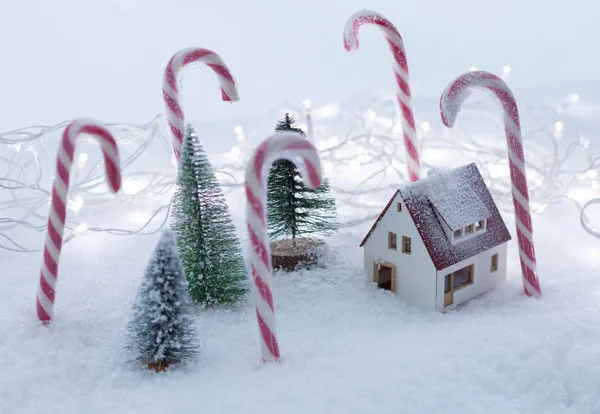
(174, 112)
(58, 207)
(401, 74)
(452, 98)
(289, 145)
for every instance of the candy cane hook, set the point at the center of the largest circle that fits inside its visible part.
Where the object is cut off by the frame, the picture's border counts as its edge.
(403, 95)
(175, 117)
(58, 207)
(452, 98)
(291, 146)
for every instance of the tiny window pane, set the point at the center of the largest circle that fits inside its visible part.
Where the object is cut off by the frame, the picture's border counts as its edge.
(457, 233)
(392, 241)
(399, 207)
(469, 229)
(494, 264)
(447, 284)
(480, 225)
(463, 277)
(406, 245)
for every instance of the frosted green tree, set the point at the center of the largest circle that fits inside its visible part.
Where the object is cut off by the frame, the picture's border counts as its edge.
(292, 208)
(162, 330)
(206, 237)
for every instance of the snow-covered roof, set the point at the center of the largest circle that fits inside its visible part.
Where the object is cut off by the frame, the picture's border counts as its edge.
(455, 201)
(420, 199)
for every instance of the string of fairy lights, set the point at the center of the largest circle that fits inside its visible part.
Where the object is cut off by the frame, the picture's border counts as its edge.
(362, 153)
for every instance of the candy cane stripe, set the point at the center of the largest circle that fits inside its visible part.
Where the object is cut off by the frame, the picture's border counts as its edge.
(288, 145)
(173, 110)
(452, 98)
(400, 67)
(58, 207)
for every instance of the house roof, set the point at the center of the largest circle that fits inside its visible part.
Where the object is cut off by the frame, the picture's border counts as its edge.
(460, 196)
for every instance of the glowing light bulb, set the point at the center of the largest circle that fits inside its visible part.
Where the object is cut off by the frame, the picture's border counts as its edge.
(386, 123)
(333, 141)
(328, 167)
(558, 129)
(235, 153)
(425, 127)
(595, 185)
(75, 204)
(472, 69)
(82, 159)
(371, 116)
(397, 129)
(573, 98)
(585, 143)
(16, 147)
(355, 165)
(132, 186)
(307, 104)
(592, 174)
(80, 229)
(238, 130)
(505, 73)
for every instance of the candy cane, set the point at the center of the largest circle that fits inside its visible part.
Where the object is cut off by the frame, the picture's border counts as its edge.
(289, 145)
(401, 74)
(174, 112)
(58, 207)
(452, 98)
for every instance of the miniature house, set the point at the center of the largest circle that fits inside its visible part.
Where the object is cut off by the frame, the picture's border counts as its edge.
(439, 241)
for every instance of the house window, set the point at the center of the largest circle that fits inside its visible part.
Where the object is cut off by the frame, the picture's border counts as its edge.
(469, 229)
(494, 264)
(480, 225)
(457, 233)
(459, 279)
(392, 241)
(399, 207)
(406, 245)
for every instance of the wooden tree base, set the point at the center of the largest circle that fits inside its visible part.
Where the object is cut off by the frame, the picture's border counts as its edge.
(160, 366)
(306, 253)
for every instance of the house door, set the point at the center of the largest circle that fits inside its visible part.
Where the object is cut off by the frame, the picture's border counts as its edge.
(384, 274)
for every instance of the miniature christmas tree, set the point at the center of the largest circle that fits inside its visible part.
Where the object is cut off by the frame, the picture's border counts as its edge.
(293, 209)
(206, 238)
(162, 331)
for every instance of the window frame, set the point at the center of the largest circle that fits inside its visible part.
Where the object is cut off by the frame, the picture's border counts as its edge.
(406, 239)
(472, 229)
(482, 227)
(494, 263)
(471, 268)
(392, 237)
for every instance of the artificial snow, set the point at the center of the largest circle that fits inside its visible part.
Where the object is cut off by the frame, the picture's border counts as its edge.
(347, 346)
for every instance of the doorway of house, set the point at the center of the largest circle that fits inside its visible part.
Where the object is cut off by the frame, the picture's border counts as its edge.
(385, 276)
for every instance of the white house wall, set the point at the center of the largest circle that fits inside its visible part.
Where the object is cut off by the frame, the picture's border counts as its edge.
(483, 279)
(415, 273)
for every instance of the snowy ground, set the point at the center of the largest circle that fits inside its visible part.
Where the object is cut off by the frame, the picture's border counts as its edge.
(348, 347)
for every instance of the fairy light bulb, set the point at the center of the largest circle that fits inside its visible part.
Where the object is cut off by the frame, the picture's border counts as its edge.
(80, 229)
(307, 105)
(472, 69)
(235, 153)
(397, 129)
(239, 135)
(558, 129)
(371, 116)
(82, 159)
(75, 204)
(592, 174)
(505, 73)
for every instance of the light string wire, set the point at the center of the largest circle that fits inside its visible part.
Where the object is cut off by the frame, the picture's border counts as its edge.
(360, 145)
